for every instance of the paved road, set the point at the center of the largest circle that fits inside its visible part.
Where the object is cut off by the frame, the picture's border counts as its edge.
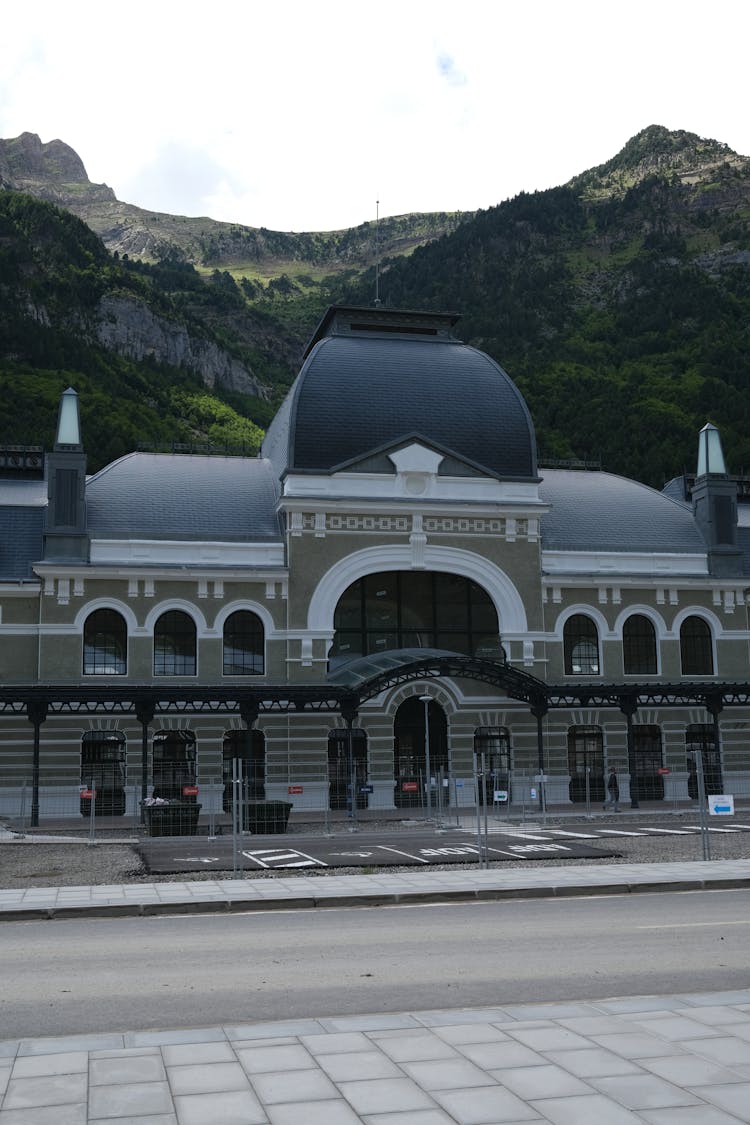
(187, 971)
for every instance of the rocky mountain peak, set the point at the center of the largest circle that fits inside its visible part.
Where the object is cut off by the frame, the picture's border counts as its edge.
(657, 151)
(52, 171)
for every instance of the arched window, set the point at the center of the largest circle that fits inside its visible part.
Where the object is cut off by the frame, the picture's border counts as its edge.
(243, 644)
(581, 645)
(696, 650)
(174, 645)
(105, 644)
(639, 646)
(414, 609)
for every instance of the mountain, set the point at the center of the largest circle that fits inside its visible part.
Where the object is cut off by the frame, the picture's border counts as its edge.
(619, 302)
(54, 172)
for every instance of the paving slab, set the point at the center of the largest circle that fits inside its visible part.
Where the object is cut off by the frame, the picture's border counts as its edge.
(564, 1064)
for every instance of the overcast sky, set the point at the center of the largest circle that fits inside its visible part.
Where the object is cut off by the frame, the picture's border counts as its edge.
(296, 115)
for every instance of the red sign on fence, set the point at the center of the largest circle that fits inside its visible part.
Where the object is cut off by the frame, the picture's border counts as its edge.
(295, 789)
(190, 790)
(409, 787)
(663, 771)
(87, 794)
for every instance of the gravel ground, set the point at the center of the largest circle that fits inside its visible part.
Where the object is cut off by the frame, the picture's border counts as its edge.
(32, 864)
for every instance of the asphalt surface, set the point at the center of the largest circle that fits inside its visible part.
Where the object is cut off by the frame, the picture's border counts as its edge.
(397, 848)
(173, 855)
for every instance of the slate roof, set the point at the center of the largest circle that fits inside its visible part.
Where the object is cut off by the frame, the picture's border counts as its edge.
(355, 394)
(22, 511)
(176, 496)
(596, 511)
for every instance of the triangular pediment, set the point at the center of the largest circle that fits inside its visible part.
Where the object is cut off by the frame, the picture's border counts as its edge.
(413, 454)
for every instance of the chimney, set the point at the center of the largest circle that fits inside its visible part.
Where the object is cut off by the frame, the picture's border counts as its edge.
(715, 506)
(65, 534)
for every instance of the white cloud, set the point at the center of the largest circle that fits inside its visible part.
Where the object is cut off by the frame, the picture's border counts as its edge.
(299, 116)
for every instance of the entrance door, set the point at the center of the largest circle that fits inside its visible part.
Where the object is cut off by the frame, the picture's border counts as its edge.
(648, 762)
(586, 760)
(494, 743)
(103, 766)
(700, 737)
(250, 747)
(409, 750)
(174, 765)
(340, 767)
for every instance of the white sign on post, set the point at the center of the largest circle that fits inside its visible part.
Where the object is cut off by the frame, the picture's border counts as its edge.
(501, 795)
(721, 804)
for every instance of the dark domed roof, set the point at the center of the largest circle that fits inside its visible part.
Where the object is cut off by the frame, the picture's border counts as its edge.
(375, 377)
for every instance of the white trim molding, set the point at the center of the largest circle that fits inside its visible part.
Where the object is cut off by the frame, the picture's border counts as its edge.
(508, 603)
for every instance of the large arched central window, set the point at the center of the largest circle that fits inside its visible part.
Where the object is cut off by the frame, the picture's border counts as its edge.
(414, 609)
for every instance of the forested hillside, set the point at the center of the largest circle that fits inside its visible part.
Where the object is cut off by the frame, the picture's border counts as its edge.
(620, 303)
(146, 347)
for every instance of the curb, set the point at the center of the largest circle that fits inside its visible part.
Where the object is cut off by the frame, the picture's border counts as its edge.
(348, 901)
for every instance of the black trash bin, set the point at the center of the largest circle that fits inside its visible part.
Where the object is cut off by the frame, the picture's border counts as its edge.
(178, 818)
(266, 817)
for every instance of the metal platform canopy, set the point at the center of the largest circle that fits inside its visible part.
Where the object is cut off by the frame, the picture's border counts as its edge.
(350, 686)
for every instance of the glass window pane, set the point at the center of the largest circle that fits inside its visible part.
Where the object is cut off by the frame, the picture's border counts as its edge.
(381, 601)
(639, 646)
(349, 609)
(243, 644)
(581, 646)
(451, 601)
(105, 644)
(696, 651)
(174, 645)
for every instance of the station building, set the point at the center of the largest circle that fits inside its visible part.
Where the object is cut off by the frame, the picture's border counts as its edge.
(395, 579)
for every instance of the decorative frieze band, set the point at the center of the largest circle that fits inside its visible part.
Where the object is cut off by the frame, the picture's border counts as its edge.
(507, 528)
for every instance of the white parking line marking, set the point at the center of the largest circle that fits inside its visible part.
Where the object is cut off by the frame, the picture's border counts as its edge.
(574, 835)
(617, 832)
(418, 858)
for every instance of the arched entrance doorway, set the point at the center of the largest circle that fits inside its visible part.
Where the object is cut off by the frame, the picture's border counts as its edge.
(409, 750)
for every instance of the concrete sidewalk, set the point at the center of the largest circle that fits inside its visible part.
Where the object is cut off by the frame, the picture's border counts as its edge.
(675, 1060)
(314, 891)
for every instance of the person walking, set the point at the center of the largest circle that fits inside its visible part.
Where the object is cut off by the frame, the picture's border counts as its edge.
(613, 790)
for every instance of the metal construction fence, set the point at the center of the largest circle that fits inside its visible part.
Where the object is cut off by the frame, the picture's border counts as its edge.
(109, 796)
